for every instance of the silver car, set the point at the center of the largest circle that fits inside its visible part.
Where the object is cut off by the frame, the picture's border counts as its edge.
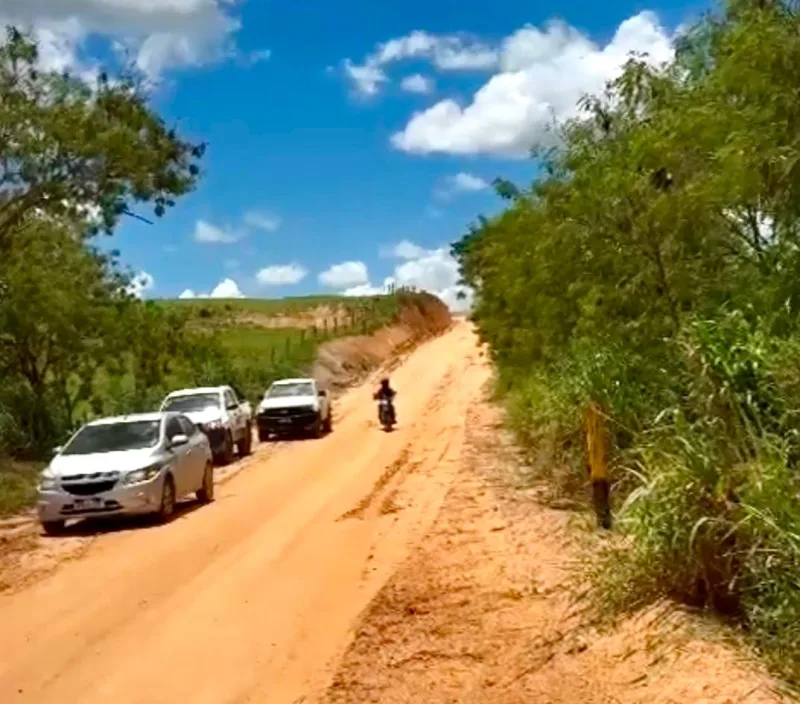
(135, 464)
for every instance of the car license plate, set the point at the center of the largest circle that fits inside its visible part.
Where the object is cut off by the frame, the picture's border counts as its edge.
(285, 421)
(88, 503)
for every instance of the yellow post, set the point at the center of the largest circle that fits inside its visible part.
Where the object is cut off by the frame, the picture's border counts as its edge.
(597, 450)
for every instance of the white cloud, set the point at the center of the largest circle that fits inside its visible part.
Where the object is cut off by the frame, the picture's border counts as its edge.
(262, 221)
(363, 290)
(367, 78)
(345, 275)
(448, 52)
(543, 74)
(140, 284)
(435, 271)
(160, 34)
(59, 46)
(432, 270)
(468, 183)
(207, 233)
(227, 288)
(455, 57)
(281, 275)
(407, 250)
(462, 182)
(417, 83)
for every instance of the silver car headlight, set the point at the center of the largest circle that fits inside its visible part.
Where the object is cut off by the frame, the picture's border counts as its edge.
(48, 482)
(139, 476)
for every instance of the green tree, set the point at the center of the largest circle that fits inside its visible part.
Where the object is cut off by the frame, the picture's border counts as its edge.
(654, 268)
(59, 322)
(71, 148)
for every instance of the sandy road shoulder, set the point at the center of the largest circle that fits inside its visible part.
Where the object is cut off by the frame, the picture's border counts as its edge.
(484, 611)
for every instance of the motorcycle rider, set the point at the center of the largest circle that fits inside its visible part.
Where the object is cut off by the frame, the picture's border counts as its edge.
(388, 393)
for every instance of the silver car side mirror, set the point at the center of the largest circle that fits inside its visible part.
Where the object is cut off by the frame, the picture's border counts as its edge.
(178, 440)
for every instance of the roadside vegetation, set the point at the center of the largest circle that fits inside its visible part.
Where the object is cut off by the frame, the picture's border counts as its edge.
(75, 341)
(654, 269)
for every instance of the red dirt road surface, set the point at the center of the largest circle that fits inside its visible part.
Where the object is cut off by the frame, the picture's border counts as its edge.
(360, 567)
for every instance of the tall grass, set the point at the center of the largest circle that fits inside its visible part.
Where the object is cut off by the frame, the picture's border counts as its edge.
(705, 469)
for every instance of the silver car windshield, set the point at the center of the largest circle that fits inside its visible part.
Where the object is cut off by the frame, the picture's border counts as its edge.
(196, 403)
(114, 437)
(301, 388)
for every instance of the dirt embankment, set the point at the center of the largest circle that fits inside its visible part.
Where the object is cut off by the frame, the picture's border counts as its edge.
(345, 361)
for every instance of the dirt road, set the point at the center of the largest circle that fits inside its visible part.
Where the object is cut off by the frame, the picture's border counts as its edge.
(362, 567)
(252, 597)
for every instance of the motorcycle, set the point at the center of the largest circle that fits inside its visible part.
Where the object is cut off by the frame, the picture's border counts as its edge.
(386, 414)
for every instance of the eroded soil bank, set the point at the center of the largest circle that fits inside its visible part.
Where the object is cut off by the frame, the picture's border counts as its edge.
(345, 361)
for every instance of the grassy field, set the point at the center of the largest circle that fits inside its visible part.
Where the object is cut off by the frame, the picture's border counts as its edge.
(262, 353)
(376, 310)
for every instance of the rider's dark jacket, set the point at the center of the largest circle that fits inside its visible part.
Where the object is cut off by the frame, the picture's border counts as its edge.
(385, 392)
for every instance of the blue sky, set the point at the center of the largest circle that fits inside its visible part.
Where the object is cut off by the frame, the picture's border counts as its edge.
(338, 131)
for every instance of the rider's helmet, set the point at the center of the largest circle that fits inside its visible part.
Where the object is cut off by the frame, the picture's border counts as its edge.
(384, 383)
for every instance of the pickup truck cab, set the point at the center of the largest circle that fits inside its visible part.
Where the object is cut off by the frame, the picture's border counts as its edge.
(220, 414)
(293, 406)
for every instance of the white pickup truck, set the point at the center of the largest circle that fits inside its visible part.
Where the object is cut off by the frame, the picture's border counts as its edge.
(292, 406)
(220, 414)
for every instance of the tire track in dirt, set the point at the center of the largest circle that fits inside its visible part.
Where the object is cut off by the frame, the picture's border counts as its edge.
(361, 508)
(387, 487)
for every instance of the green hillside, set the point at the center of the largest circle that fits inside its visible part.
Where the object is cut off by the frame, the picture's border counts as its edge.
(287, 306)
(272, 338)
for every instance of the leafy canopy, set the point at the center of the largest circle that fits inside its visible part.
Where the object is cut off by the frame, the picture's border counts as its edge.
(69, 147)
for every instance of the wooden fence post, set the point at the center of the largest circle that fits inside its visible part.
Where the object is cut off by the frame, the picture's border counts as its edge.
(597, 445)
